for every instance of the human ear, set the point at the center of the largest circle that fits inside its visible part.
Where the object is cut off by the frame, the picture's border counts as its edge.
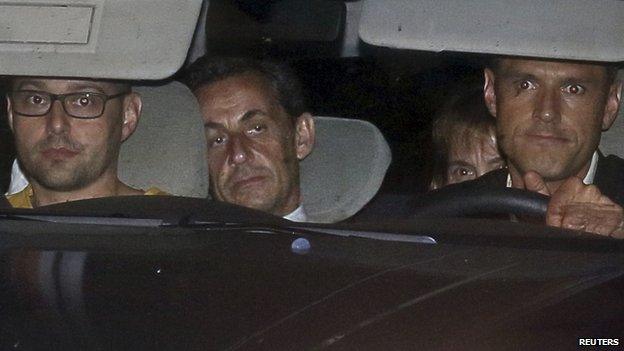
(9, 113)
(489, 93)
(612, 105)
(305, 134)
(132, 112)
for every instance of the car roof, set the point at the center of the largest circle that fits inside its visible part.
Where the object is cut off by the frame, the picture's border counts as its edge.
(560, 29)
(65, 38)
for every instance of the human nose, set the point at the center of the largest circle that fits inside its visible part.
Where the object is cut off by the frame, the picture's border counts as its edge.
(548, 106)
(238, 151)
(57, 120)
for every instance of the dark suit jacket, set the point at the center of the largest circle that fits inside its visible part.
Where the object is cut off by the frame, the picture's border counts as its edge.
(609, 179)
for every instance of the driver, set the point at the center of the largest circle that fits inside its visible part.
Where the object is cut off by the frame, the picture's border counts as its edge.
(258, 129)
(550, 115)
(68, 133)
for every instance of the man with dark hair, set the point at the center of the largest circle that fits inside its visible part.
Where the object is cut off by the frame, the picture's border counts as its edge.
(68, 133)
(257, 130)
(550, 116)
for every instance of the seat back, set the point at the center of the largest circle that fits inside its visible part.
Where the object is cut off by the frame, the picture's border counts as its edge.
(345, 169)
(168, 148)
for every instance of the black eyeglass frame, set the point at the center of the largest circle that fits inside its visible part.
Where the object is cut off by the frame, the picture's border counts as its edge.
(62, 97)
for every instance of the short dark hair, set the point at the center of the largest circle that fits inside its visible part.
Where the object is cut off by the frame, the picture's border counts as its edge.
(280, 77)
(463, 114)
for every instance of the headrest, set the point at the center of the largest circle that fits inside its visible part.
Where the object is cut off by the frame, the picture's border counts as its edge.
(168, 148)
(344, 170)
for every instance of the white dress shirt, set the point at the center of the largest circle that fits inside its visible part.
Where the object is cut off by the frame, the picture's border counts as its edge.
(298, 215)
(18, 181)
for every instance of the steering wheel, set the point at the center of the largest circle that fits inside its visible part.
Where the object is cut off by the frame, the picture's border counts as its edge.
(458, 201)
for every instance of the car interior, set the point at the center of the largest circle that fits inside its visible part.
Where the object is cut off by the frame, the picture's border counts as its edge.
(132, 273)
(344, 172)
(381, 78)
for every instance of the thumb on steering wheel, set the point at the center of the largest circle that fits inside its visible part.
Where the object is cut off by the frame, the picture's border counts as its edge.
(534, 182)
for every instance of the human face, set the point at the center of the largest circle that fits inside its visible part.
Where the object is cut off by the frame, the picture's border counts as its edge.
(472, 156)
(62, 153)
(550, 114)
(254, 148)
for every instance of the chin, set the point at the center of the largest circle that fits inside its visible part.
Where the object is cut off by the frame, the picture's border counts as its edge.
(264, 207)
(256, 201)
(64, 180)
(61, 184)
(549, 173)
(547, 166)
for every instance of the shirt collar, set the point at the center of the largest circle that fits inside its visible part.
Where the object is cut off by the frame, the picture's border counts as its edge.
(18, 181)
(589, 177)
(298, 215)
(591, 173)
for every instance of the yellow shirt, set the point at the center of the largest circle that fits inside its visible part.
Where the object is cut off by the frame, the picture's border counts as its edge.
(22, 199)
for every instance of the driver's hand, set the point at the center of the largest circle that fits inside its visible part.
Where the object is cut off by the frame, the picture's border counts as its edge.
(578, 206)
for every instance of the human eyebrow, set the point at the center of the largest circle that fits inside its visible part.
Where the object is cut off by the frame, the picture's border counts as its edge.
(515, 76)
(251, 114)
(577, 80)
(30, 84)
(212, 125)
(459, 163)
(495, 160)
(246, 116)
(89, 88)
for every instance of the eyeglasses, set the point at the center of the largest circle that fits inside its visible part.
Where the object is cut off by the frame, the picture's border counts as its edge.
(32, 103)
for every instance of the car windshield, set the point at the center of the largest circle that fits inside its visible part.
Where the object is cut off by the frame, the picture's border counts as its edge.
(386, 258)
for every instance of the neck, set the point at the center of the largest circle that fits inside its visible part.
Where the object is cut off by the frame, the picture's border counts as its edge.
(290, 205)
(552, 185)
(103, 187)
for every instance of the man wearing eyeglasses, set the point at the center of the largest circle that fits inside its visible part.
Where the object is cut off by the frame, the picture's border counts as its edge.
(68, 133)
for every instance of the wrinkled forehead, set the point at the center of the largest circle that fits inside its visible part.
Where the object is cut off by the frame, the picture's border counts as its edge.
(232, 97)
(64, 85)
(554, 68)
(239, 86)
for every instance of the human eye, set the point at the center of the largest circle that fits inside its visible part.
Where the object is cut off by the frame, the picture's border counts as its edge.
(526, 85)
(574, 89)
(33, 97)
(257, 129)
(465, 172)
(83, 100)
(216, 141)
(461, 173)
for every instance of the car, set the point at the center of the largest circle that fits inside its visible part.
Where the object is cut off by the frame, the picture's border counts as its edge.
(186, 272)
